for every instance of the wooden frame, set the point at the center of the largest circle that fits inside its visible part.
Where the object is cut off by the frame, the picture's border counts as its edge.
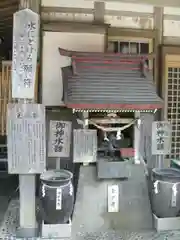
(131, 33)
(63, 26)
(162, 3)
(170, 57)
(133, 39)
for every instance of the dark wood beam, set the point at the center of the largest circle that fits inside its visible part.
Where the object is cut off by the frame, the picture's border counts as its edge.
(138, 33)
(11, 9)
(8, 3)
(66, 10)
(61, 26)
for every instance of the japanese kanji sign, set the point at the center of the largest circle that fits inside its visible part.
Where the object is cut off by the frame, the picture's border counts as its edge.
(161, 138)
(24, 59)
(26, 138)
(85, 145)
(59, 139)
(113, 198)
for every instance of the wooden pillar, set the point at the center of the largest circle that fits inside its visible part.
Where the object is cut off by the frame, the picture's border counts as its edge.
(99, 14)
(158, 25)
(34, 5)
(99, 11)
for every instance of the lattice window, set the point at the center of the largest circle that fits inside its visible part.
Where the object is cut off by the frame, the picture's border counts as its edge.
(173, 109)
(130, 47)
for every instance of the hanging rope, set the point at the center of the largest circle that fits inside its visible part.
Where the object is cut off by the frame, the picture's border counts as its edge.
(110, 129)
(113, 129)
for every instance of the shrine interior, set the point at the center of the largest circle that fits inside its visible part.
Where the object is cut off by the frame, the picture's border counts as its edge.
(120, 119)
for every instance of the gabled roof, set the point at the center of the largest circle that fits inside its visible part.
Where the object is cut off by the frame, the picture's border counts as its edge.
(109, 81)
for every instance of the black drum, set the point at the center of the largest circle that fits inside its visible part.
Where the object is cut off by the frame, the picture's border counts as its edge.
(165, 196)
(56, 196)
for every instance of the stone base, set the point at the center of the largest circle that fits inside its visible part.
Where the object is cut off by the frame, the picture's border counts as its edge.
(112, 169)
(27, 232)
(56, 231)
(165, 224)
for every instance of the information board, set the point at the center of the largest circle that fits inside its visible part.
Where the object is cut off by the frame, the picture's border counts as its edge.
(161, 138)
(26, 138)
(85, 145)
(24, 57)
(59, 138)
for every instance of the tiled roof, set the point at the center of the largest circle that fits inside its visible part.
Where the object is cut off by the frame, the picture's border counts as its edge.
(108, 81)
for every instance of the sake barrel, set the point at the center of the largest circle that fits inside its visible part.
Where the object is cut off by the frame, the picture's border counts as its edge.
(165, 198)
(56, 196)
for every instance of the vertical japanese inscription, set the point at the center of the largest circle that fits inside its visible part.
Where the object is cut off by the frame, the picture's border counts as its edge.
(161, 137)
(59, 139)
(113, 198)
(26, 138)
(25, 44)
(85, 145)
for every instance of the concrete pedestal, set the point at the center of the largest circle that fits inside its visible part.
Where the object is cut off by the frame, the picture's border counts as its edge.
(56, 231)
(91, 215)
(165, 224)
(28, 225)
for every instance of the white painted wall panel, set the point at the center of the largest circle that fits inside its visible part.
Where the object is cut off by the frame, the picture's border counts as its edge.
(171, 28)
(52, 87)
(130, 22)
(129, 6)
(68, 3)
(172, 10)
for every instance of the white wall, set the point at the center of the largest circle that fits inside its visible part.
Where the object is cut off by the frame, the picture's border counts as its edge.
(68, 3)
(171, 28)
(52, 87)
(52, 61)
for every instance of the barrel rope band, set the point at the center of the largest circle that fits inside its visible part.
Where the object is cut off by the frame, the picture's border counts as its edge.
(156, 187)
(161, 181)
(62, 186)
(174, 187)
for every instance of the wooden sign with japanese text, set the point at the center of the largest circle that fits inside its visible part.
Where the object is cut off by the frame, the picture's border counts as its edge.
(161, 138)
(113, 198)
(26, 138)
(59, 138)
(85, 145)
(24, 57)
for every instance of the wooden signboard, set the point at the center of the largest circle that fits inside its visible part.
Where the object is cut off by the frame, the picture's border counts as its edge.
(25, 47)
(85, 145)
(146, 136)
(26, 138)
(161, 138)
(59, 139)
(113, 198)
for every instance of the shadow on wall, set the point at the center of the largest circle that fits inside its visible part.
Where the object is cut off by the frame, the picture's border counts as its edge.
(6, 47)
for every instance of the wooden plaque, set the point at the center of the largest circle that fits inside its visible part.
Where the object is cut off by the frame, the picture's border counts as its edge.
(161, 138)
(85, 145)
(25, 48)
(26, 138)
(59, 139)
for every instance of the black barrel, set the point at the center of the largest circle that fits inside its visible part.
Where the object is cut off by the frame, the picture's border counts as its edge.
(165, 198)
(57, 196)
